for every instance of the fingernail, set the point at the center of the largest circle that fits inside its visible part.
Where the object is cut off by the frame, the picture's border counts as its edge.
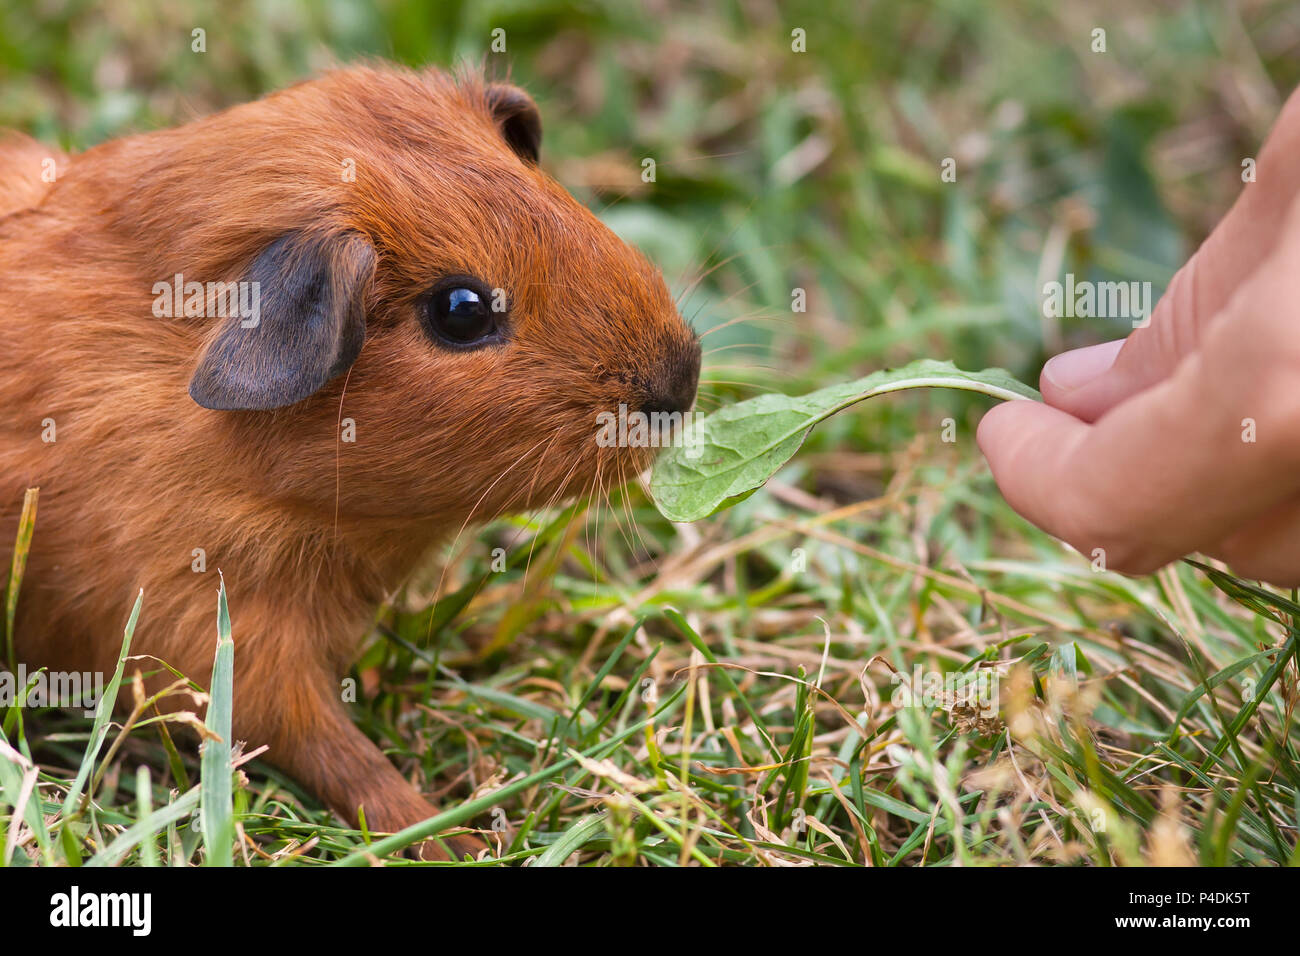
(1076, 368)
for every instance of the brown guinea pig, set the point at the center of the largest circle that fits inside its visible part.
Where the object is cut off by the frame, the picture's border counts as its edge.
(399, 260)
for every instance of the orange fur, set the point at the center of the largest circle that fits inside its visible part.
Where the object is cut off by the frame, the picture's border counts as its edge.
(140, 475)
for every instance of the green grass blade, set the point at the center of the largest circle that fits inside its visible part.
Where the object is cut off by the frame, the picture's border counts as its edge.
(22, 545)
(104, 710)
(15, 771)
(574, 838)
(698, 643)
(144, 803)
(217, 811)
(145, 829)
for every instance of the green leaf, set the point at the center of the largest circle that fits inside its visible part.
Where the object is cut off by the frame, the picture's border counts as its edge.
(736, 449)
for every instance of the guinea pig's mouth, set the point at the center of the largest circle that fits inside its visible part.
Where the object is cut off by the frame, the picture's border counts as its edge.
(658, 411)
(641, 433)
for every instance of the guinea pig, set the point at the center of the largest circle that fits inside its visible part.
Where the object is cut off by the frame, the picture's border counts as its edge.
(392, 255)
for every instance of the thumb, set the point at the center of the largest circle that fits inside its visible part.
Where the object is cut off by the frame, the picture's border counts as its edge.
(1086, 384)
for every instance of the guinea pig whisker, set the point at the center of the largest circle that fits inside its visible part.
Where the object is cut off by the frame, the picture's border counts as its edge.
(683, 297)
(550, 502)
(722, 302)
(736, 345)
(780, 320)
(594, 512)
(533, 514)
(723, 381)
(615, 201)
(748, 317)
(584, 499)
(338, 454)
(627, 508)
(588, 497)
(602, 498)
(505, 507)
(541, 463)
(617, 486)
(455, 540)
(555, 495)
(749, 367)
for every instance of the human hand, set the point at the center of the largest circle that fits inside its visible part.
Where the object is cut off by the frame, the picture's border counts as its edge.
(1185, 436)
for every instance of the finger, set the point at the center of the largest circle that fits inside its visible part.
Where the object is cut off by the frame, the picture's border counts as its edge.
(1198, 292)
(1078, 367)
(1176, 467)
(1266, 549)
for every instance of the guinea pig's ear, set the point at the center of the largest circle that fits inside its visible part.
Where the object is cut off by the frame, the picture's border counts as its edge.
(516, 115)
(307, 324)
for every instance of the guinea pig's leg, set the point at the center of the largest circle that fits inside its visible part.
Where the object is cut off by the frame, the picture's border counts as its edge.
(310, 736)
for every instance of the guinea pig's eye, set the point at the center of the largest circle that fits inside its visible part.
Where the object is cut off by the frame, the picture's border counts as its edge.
(459, 312)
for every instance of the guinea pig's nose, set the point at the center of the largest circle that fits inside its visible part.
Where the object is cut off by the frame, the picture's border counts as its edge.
(672, 389)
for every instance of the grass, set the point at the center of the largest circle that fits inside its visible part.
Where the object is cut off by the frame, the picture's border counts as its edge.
(632, 692)
(709, 734)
